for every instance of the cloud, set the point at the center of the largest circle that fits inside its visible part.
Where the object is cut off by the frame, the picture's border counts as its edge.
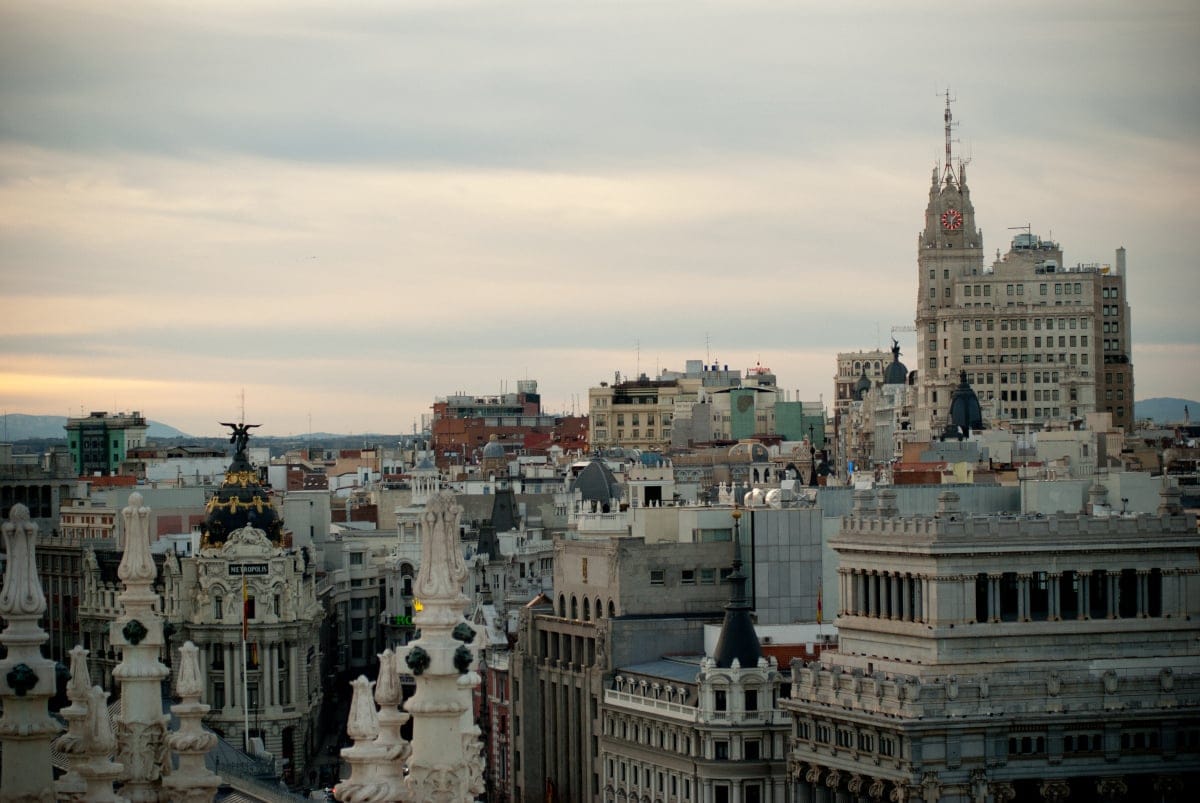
(350, 211)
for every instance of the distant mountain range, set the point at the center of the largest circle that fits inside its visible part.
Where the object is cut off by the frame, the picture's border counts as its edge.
(1165, 410)
(20, 427)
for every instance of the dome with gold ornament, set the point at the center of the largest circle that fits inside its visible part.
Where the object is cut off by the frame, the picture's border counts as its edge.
(242, 500)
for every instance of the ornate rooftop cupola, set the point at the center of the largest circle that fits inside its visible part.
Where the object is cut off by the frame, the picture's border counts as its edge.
(241, 501)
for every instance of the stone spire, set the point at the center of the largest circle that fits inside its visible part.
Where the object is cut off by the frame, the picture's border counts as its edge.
(71, 785)
(191, 782)
(26, 677)
(138, 633)
(444, 766)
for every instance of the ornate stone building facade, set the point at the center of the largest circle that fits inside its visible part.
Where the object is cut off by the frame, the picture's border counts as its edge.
(705, 730)
(1006, 658)
(246, 586)
(1036, 339)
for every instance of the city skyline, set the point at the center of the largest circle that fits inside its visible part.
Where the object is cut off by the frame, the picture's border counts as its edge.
(345, 213)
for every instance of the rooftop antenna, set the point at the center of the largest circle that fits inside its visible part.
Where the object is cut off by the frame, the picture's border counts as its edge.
(948, 169)
(707, 356)
(638, 365)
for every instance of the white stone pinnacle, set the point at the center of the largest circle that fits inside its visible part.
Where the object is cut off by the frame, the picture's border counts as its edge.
(26, 677)
(138, 632)
(192, 782)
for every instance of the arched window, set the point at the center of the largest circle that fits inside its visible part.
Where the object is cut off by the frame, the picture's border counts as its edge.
(612, 609)
(562, 605)
(587, 609)
(574, 607)
(599, 608)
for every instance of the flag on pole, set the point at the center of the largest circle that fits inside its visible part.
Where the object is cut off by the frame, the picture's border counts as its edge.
(245, 609)
(820, 610)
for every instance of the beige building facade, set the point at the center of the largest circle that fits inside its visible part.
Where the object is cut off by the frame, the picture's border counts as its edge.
(1037, 340)
(1006, 658)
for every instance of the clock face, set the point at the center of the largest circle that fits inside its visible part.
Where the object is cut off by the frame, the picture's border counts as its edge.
(952, 220)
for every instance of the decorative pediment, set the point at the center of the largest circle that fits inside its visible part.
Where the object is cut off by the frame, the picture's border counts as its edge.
(247, 542)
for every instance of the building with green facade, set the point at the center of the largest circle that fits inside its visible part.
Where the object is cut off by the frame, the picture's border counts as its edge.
(99, 442)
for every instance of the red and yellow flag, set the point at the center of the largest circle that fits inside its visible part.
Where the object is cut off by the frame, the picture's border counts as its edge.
(820, 607)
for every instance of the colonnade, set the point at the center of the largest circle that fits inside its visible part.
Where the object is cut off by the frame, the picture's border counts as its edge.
(277, 685)
(1013, 596)
(1064, 595)
(884, 595)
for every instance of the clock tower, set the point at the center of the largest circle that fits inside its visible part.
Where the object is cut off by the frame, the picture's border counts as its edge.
(949, 248)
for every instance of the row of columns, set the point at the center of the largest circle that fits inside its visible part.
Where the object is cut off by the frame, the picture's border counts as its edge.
(884, 595)
(1083, 602)
(906, 597)
(269, 685)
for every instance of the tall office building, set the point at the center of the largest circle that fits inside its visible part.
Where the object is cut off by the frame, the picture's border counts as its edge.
(1037, 340)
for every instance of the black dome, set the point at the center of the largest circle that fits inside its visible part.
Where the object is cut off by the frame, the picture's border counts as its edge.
(966, 415)
(896, 373)
(597, 484)
(241, 501)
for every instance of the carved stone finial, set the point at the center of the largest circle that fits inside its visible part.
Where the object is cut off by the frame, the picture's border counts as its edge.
(443, 569)
(363, 723)
(387, 687)
(187, 680)
(26, 677)
(136, 564)
(22, 591)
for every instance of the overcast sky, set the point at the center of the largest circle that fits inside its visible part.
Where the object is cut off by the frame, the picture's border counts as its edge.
(347, 209)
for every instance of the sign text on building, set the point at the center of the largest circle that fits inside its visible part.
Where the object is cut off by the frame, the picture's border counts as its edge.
(249, 568)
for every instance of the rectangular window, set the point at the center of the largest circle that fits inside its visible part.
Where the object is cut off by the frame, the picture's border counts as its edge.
(657, 577)
(708, 577)
(688, 577)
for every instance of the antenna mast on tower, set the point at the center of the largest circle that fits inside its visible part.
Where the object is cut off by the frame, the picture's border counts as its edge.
(948, 169)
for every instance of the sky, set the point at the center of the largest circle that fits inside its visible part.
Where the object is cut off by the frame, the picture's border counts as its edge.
(339, 212)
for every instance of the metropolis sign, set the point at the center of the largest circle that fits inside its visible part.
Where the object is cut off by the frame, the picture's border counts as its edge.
(249, 568)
